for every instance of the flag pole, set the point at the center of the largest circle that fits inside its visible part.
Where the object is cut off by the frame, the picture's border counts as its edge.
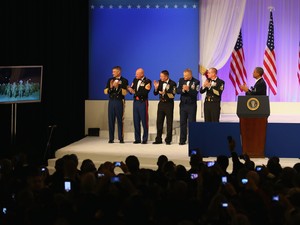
(271, 9)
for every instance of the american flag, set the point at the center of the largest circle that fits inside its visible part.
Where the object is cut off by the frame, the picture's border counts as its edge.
(237, 73)
(299, 64)
(270, 59)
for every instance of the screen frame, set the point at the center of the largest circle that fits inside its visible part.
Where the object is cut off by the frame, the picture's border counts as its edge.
(26, 67)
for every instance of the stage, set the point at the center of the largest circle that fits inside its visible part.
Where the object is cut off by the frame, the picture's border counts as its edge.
(99, 150)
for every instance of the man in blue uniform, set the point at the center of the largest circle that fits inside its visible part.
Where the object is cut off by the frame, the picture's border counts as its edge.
(213, 87)
(140, 88)
(188, 88)
(166, 89)
(116, 88)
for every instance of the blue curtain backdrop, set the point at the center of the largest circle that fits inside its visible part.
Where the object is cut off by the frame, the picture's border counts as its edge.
(133, 34)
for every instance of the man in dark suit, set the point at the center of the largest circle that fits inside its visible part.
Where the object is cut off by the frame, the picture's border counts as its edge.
(166, 88)
(260, 87)
(188, 88)
(116, 88)
(140, 87)
(213, 86)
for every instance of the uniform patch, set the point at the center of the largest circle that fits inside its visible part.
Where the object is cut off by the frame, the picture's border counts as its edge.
(148, 87)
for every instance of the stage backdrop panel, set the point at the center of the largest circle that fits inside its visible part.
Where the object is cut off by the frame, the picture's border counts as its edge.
(211, 138)
(154, 35)
(282, 139)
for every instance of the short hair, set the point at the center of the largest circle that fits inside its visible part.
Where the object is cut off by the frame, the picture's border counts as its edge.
(165, 72)
(260, 71)
(117, 68)
(188, 70)
(215, 70)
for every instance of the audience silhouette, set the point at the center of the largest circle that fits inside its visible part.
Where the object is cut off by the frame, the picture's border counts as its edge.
(122, 193)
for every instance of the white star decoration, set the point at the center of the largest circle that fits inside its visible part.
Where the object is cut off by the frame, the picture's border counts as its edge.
(157, 6)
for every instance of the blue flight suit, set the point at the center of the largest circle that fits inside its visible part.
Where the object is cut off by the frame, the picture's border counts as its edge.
(188, 105)
(116, 106)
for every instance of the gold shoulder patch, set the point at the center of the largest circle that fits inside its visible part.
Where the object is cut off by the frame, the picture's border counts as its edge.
(216, 92)
(222, 87)
(124, 92)
(170, 95)
(148, 87)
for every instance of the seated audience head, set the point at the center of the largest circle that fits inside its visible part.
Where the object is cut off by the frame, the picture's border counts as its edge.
(132, 163)
(223, 162)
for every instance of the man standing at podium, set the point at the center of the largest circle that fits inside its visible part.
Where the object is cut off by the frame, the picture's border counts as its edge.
(213, 87)
(260, 87)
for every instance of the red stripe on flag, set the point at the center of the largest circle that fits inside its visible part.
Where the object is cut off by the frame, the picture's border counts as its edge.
(270, 59)
(299, 64)
(237, 73)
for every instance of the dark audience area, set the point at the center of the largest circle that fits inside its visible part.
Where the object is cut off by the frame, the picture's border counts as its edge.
(204, 193)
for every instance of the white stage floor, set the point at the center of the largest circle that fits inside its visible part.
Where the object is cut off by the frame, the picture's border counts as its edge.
(99, 150)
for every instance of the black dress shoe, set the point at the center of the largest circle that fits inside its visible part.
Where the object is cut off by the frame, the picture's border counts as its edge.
(122, 141)
(111, 141)
(144, 142)
(181, 143)
(157, 142)
(136, 142)
(168, 143)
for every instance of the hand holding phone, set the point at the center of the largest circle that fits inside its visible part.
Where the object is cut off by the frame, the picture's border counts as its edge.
(67, 186)
(117, 164)
(275, 198)
(224, 180)
(224, 204)
(210, 163)
(244, 181)
(258, 168)
(100, 175)
(115, 179)
(194, 176)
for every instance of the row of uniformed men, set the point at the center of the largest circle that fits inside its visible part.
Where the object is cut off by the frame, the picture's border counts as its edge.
(188, 87)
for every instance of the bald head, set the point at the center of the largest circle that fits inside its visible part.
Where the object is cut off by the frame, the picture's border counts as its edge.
(139, 74)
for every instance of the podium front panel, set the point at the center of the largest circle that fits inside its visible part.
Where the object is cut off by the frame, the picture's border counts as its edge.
(253, 106)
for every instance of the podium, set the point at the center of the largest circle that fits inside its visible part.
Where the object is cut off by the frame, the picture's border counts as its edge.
(253, 111)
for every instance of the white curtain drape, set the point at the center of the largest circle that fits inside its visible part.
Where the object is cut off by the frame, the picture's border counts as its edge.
(286, 40)
(220, 23)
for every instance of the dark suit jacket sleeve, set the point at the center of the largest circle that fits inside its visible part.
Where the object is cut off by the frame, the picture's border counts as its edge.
(260, 88)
